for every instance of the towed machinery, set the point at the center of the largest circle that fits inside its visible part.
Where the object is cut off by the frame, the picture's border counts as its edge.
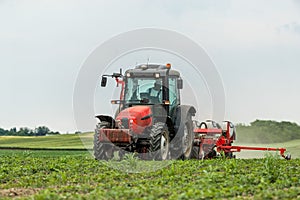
(151, 121)
(211, 138)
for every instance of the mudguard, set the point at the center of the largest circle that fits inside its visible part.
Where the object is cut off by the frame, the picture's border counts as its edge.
(182, 111)
(106, 118)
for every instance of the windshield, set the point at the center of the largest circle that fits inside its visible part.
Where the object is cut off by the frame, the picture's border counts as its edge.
(148, 90)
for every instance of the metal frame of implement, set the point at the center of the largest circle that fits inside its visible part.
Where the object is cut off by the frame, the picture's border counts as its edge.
(208, 139)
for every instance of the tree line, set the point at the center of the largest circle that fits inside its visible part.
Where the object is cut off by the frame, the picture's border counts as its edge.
(268, 131)
(24, 131)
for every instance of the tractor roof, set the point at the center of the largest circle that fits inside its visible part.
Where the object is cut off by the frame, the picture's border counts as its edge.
(150, 69)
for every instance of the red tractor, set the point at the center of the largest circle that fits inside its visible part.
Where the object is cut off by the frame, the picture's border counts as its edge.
(151, 121)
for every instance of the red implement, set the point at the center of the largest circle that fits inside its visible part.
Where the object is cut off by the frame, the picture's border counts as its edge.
(213, 140)
(239, 148)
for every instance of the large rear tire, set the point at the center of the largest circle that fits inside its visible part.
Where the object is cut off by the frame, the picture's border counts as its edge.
(182, 143)
(159, 141)
(187, 138)
(102, 151)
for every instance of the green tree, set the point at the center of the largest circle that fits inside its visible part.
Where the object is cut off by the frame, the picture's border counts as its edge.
(3, 132)
(13, 131)
(53, 133)
(268, 131)
(41, 131)
(24, 131)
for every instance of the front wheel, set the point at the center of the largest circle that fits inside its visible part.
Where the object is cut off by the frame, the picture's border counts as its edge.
(159, 141)
(102, 151)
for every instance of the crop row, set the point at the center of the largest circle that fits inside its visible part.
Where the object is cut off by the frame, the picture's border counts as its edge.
(69, 176)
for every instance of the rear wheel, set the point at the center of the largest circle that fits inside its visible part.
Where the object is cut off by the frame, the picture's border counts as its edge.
(182, 143)
(187, 139)
(159, 141)
(229, 155)
(211, 154)
(195, 152)
(102, 151)
(207, 151)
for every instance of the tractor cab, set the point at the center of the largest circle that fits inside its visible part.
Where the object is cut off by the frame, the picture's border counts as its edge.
(151, 85)
(148, 84)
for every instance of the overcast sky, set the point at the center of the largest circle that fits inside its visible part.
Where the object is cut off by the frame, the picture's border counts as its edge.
(255, 45)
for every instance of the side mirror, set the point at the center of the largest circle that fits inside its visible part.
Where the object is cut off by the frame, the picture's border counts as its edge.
(179, 83)
(103, 81)
(116, 101)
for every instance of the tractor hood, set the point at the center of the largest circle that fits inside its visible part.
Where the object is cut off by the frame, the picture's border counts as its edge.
(136, 118)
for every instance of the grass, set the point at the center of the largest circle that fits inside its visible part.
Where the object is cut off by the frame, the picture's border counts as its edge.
(42, 153)
(55, 141)
(292, 147)
(85, 140)
(80, 177)
(76, 175)
(41, 174)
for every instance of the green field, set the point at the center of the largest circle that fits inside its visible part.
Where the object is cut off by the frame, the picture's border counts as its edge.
(55, 141)
(56, 174)
(44, 153)
(292, 147)
(85, 140)
(28, 176)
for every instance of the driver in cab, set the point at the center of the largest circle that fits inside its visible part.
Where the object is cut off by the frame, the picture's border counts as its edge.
(155, 92)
